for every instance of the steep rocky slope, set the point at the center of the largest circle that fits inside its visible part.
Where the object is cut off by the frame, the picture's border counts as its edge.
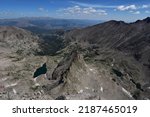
(19, 40)
(127, 37)
(122, 49)
(79, 79)
(18, 61)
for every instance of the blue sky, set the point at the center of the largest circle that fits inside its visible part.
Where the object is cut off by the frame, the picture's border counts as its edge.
(127, 10)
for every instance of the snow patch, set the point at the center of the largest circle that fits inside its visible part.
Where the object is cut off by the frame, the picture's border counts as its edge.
(102, 90)
(126, 92)
(11, 85)
(91, 69)
(148, 87)
(15, 92)
(4, 79)
(81, 91)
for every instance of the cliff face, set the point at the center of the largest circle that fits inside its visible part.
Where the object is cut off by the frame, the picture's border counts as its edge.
(64, 66)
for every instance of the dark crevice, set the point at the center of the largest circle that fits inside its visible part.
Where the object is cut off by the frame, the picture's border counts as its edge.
(61, 98)
(117, 72)
(138, 85)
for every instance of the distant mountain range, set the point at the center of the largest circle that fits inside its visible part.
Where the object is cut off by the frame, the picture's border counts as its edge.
(47, 23)
(127, 37)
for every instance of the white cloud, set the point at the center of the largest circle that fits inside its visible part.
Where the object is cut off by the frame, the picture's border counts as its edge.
(89, 10)
(92, 5)
(71, 10)
(133, 8)
(121, 7)
(42, 9)
(145, 6)
(147, 11)
(136, 12)
(77, 10)
(124, 8)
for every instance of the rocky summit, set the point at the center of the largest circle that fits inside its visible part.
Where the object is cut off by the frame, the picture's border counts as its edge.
(106, 61)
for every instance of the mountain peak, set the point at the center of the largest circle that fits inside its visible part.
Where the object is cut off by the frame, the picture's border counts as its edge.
(116, 22)
(146, 20)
